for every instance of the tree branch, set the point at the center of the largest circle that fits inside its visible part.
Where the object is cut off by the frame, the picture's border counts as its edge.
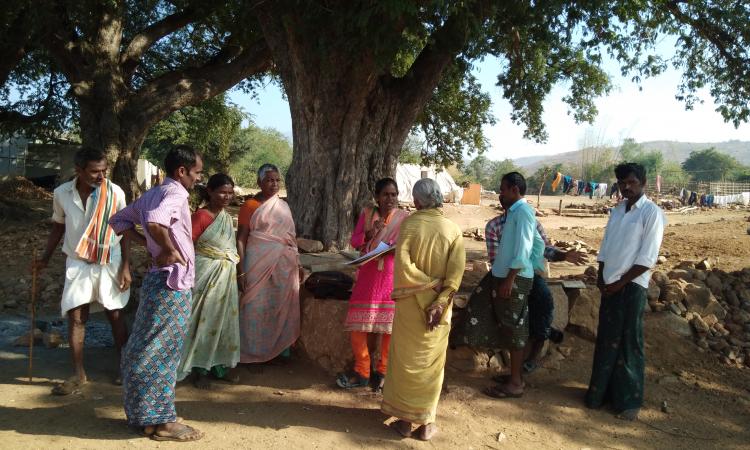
(175, 90)
(147, 37)
(425, 73)
(706, 29)
(13, 42)
(64, 45)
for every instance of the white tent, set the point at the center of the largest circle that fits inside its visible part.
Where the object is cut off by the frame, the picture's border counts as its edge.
(408, 174)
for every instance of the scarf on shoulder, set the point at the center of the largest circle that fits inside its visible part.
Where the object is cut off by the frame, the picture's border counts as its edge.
(98, 237)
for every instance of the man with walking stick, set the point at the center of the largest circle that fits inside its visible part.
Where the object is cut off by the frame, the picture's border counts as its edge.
(97, 269)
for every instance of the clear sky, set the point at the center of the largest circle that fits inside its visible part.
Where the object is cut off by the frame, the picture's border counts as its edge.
(649, 114)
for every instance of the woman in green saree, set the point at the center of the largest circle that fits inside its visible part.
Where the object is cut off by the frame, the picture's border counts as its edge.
(212, 345)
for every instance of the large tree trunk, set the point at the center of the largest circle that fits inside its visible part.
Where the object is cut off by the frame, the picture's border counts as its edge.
(342, 146)
(107, 124)
(350, 118)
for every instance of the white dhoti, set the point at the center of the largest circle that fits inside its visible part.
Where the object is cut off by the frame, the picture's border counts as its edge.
(96, 284)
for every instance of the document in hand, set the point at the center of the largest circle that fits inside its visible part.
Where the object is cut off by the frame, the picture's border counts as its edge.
(381, 249)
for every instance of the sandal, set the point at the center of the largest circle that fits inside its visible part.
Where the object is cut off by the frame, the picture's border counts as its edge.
(401, 427)
(351, 379)
(501, 391)
(70, 386)
(185, 433)
(423, 433)
(378, 380)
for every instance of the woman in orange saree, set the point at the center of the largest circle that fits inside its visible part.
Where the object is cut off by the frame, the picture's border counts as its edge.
(269, 273)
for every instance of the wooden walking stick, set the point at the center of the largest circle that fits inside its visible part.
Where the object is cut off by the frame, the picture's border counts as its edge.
(33, 314)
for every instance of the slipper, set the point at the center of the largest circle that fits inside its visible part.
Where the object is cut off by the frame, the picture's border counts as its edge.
(629, 414)
(500, 391)
(402, 431)
(70, 386)
(503, 378)
(378, 380)
(350, 380)
(424, 435)
(530, 366)
(185, 434)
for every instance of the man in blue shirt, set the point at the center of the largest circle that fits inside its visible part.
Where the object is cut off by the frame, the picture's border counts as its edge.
(521, 252)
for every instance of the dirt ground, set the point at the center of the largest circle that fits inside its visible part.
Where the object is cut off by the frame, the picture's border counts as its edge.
(296, 406)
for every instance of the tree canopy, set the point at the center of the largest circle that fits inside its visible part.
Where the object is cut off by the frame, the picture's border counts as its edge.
(360, 75)
(709, 165)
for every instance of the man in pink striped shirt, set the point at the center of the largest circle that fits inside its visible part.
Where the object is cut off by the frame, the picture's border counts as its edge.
(152, 354)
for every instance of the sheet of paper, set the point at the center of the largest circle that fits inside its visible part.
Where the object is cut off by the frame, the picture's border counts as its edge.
(381, 248)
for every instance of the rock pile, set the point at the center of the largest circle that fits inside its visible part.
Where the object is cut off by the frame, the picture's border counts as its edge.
(475, 233)
(714, 302)
(579, 246)
(19, 188)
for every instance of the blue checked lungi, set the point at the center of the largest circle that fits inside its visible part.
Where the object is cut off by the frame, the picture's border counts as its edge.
(152, 354)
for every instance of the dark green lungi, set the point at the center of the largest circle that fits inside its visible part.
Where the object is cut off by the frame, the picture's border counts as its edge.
(512, 314)
(486, 324)
(618, 371)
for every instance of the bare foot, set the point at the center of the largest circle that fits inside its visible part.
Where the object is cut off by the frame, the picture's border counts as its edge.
(201, 381)
(401, 427)
(231, 376)
(426, 432)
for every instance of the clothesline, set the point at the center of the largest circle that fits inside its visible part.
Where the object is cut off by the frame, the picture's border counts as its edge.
(572, 186)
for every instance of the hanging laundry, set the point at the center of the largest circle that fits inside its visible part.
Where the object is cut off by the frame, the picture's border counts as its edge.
(567, 183)
(591, 188)
(556, 181)
(581, 187)
(601, 190)
(615, 190)
(702, 201)
(693, 197)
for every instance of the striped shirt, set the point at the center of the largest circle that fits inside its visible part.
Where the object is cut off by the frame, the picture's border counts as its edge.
(493, 232)
(166, 205)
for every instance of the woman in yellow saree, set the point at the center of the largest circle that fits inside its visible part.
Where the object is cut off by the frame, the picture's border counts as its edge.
(429, 266)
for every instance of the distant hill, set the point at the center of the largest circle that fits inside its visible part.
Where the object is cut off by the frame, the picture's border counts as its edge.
(672, 151)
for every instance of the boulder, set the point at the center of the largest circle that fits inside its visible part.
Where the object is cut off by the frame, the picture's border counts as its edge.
(653, 290)
(699, 275)
(698, 297)
(52, 339)
(731, 298)
(660, 278)
(714, 308)
(322, 336)
(24, 341)
(466, 359)
(481, 267)
(710, 319)
(704, 264)
(673, 292)
(584, 314)
(591, 272)
(700, 326)
(714, 283)
(309, 245)
(561, 313)
(673, 323)
(680, 274)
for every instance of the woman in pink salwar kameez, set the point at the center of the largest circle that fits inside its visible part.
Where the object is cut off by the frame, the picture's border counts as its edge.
(269, 267)
(371, 309)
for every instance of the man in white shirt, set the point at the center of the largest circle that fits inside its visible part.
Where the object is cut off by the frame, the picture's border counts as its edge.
(97, 270)
(628, 252)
